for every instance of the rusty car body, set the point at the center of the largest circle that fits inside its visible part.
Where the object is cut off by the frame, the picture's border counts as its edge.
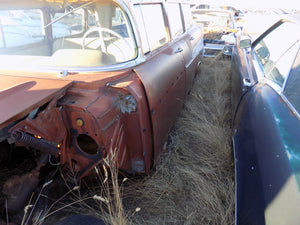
(82, 81)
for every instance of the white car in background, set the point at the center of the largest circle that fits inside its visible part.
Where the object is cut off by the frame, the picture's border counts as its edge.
(219, 30)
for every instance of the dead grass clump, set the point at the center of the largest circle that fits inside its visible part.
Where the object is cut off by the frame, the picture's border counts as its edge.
(194, 179)
(214, 34)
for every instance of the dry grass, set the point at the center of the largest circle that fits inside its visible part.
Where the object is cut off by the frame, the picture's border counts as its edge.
(214, 35)
(193, 180)
(99, 195)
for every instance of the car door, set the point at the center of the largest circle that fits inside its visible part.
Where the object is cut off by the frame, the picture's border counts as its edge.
(163, 73)
(194, 39)
(180, 35)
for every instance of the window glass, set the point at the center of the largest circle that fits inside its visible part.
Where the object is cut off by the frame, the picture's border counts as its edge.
(175, 19)
(67, 25)
(118, 23)
(2, 41)
(282, 67)
(188, 18)
(142, 30)
(272, 48)
(154, 25)
(20, 27)
(116, 32)
(202, 6)
(91, 34)
(292, 90)
(91, 18)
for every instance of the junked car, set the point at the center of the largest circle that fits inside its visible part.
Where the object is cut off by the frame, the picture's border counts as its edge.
(219, 30)
(88, 81)
(266, 125)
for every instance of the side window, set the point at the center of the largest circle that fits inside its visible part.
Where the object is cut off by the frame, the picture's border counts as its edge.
(292, 90)
(271, 51)
(119, 23)
(282, 67)
(150, 19)
(67, 25)
(142, 29)
(175, 19)
(188, 18)
(20, 27)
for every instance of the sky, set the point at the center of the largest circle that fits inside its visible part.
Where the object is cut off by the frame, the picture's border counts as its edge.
(259, 4)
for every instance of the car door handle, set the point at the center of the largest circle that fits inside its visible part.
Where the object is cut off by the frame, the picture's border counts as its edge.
(247, 83)
(179, 50)
(192, 38)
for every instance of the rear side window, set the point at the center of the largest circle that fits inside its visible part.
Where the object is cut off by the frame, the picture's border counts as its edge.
(151, 22)
(292, 90)
(188, 18)
(20, 27)
(175, 19)
(271, 51)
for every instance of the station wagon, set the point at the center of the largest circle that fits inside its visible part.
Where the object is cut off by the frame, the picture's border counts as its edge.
(82, 81)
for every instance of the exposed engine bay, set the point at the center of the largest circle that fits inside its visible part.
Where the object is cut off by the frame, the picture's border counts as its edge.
(78, 128)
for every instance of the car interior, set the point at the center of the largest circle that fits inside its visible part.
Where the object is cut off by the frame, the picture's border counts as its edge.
(70, 36)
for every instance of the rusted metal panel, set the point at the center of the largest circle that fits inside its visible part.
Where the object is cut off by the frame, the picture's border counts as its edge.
(111, 112)
(167, 78)
(95, 114)
(194, 39)
(86, 125)
(20, 95)
(163, 77)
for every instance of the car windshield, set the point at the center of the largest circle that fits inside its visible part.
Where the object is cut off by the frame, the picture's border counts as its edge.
(62, 34)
